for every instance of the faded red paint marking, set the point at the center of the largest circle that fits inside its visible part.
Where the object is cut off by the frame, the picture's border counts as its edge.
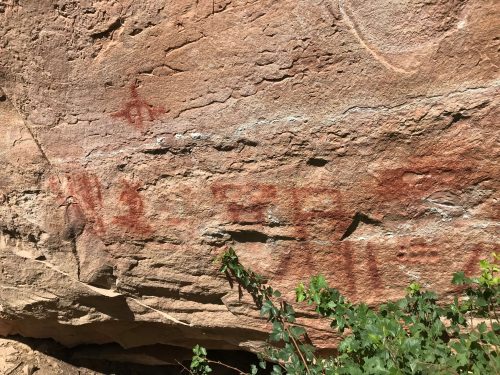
(245, 203)
(373, 271)
(302, 208)
(350, 274)
(133, 219)
(311, 205)
(54, 185)
(87, 190)
(314, 212)
(135, 109)
(417, 251)
(471, 268)
(422, 177)
(316, 205)
(471, 265)
(317, 214)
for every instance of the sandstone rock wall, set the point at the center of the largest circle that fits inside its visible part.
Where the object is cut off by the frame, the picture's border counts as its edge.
(353, 138)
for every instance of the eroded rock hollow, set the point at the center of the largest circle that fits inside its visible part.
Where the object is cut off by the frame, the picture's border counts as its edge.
(353, 138)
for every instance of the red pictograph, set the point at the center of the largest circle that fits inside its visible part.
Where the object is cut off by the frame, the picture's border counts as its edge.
(133, 218)
(85, 188)
(137, 110)
(316, 218)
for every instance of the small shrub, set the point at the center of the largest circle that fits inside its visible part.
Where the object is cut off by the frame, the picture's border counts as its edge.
(414, 335)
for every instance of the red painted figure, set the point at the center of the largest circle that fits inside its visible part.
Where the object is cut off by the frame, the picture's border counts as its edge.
(133, 219)
(136, 108)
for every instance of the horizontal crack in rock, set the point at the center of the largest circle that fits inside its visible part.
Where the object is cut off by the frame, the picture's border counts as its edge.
(256, 236)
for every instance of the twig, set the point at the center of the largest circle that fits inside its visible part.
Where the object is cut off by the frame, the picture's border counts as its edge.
(298, 350)
(227, 366)
(184, 367)
(14, 369)
(215, 363)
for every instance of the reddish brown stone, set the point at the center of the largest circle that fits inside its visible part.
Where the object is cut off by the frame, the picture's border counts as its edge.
(352, 138)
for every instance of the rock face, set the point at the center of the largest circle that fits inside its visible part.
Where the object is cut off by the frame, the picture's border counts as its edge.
(19, 358)
(353, 138)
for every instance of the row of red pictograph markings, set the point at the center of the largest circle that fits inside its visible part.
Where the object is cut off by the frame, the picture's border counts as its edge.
(86, 189)
(317, 213)
(313, 213)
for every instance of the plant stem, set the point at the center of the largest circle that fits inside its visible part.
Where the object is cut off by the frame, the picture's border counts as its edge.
(227, 366)
(298, 350)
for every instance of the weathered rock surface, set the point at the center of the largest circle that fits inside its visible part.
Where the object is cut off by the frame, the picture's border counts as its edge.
(17, 358)
(27, 356)
(353, 138)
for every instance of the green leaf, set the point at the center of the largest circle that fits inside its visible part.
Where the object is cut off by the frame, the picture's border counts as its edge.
(300, 293)
(458, 278)
(266, 308)
(297, 331)
(481, 302)
(276, 370)
(482, 327)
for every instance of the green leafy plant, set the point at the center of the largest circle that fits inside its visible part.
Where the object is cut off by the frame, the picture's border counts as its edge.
(417, 334)
(199, 362)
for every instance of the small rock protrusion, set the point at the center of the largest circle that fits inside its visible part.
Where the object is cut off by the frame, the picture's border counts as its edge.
(74, 219)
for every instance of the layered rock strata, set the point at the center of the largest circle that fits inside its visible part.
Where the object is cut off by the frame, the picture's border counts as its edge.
(352, 138)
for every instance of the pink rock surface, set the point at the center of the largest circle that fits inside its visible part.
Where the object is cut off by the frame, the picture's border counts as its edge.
(352, 138)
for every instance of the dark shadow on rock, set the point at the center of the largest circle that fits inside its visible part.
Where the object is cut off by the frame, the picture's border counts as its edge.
(113, 359)
(116, 307)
